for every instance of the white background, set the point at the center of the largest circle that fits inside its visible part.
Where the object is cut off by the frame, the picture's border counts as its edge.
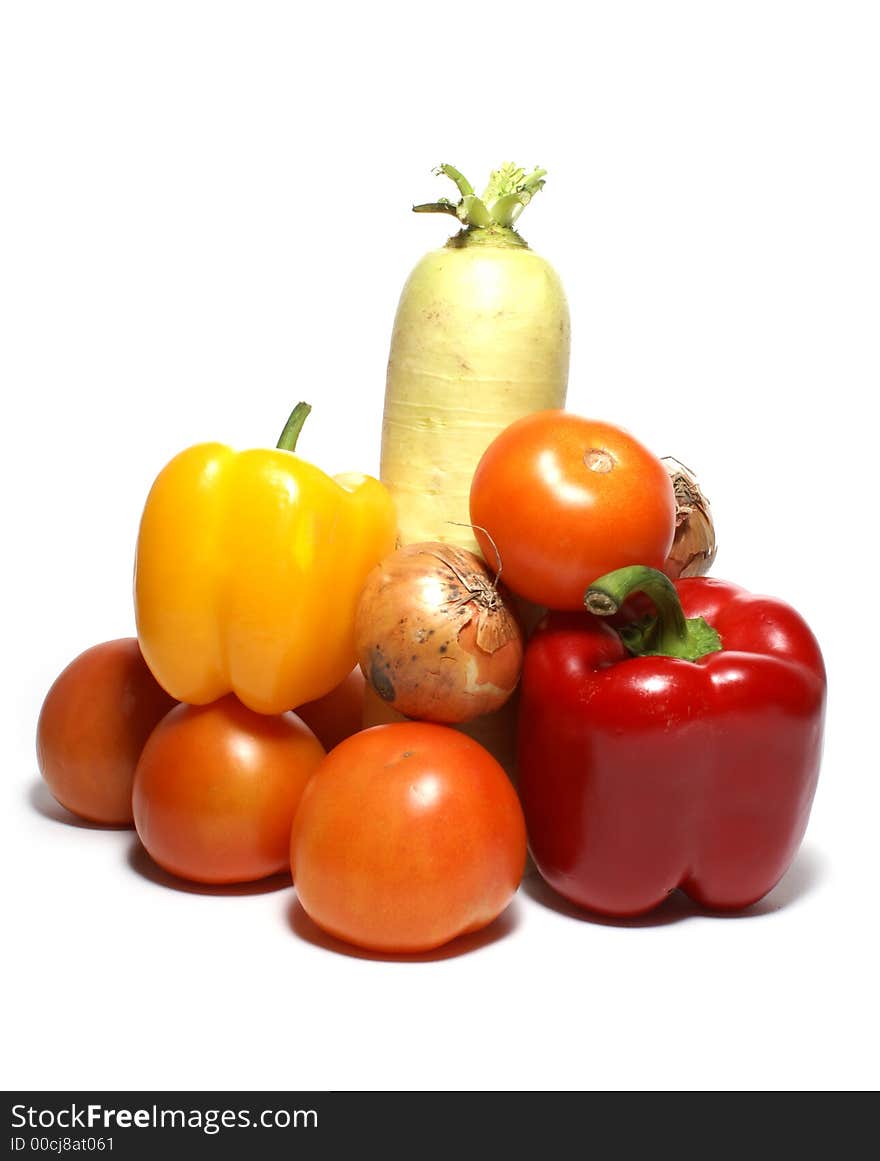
(205, 217)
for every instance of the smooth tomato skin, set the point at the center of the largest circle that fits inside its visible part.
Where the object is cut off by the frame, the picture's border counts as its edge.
(92, 727)
(338, 714)
(567, 499)
(216, 789)
(408, 835)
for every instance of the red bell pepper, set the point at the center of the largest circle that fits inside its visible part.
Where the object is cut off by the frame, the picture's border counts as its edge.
(680, 751)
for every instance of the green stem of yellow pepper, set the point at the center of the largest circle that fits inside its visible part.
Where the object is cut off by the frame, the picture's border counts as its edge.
(290, 434)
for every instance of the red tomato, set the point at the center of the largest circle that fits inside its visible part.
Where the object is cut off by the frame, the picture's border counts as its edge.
(216, 789)
(338, 714)
(565, 500)
(408, 835)
(92, 727)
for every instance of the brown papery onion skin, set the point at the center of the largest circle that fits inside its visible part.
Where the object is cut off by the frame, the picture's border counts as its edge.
(436, 637)
(694, 548)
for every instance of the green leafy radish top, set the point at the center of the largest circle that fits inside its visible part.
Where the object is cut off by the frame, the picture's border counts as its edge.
(489, 218)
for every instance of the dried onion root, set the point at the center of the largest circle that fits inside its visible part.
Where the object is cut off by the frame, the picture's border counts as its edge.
(436, 635)
(694, 548)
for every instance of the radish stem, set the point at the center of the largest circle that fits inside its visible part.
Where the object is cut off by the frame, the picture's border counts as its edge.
(509, 191)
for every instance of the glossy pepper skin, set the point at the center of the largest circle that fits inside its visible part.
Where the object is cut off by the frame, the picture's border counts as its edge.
(640, 774)
(248, 569)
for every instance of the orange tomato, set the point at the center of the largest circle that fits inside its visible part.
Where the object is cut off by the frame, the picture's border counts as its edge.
(564, 500)
(216, 789)
(408, 835)
(338, 714)
(92, 727)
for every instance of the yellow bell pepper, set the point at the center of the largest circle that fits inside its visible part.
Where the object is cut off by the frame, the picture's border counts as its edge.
(248, 570)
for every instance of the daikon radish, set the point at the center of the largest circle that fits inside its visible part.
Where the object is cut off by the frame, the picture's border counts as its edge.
(481, 338)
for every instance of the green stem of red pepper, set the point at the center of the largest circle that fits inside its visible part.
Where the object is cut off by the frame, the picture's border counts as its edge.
(669, 633)
(290, 434)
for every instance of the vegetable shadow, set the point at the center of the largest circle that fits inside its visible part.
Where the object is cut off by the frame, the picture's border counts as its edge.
(305, 928)
(140, 862)
(40, 799)
(800, 879)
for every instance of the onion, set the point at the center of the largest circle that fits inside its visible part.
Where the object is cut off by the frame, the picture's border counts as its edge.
(694, 548)
(436, 635)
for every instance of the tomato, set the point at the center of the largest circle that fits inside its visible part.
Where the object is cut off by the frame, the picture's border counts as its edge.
(567, 499)
(92, 727)
(408, 835)
(338, 714)
(216, 789)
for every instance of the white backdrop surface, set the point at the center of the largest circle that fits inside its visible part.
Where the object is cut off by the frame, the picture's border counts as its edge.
(205, 217)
